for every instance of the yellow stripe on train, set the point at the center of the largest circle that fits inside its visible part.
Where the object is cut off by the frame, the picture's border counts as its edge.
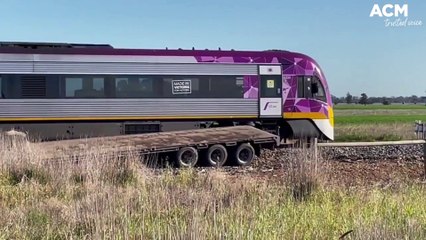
(307, 115)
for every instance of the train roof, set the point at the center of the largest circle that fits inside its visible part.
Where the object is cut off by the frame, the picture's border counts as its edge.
(107, 49)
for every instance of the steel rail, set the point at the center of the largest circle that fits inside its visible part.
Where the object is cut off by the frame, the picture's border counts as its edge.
(367, 144)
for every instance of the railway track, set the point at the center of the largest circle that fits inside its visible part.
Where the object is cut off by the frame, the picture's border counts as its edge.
(400, 150)
(346, 163)
(341, 151)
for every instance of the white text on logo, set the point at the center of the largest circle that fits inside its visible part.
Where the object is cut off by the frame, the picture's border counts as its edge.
(389, 10)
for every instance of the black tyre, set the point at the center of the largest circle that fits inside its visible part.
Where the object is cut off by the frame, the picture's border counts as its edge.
(216, 156)
(186, 157)
(243, 155)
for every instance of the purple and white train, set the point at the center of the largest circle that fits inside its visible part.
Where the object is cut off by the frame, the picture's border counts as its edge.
(57, 90)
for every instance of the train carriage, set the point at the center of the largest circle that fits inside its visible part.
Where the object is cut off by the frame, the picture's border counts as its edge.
(58, 90)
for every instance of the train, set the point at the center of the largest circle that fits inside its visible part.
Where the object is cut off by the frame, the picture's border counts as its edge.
(73, 90)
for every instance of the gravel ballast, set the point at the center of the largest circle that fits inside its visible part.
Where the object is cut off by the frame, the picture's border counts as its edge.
(388, 152)
(278, 158)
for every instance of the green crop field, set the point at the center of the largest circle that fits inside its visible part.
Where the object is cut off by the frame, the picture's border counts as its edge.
(379, 106)
(368, 119)
(377, 122)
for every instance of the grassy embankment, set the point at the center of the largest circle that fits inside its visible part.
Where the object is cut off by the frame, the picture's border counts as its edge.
(377, 122)
(105, 197)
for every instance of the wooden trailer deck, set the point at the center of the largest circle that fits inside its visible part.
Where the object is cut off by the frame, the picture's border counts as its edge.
(158, 142)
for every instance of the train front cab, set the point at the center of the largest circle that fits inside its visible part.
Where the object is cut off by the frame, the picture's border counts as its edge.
(311, 113)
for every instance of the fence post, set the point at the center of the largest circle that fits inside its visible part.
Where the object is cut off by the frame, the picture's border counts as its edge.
(424, 131)
(420, 129)
(316, 154)
(417, 129)
(424, 158)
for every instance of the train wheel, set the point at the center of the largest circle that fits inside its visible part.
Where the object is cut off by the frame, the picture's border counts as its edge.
(216, 156)
(187, 157)
(244, 154)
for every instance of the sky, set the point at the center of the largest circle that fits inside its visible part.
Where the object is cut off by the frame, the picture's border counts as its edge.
(356, 52)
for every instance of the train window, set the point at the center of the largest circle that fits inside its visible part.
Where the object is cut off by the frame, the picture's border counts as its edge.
(33, 86)
(300, 87)
(203, 87)
(226, 86)
(134, 87)
(307, 86)
(84, 87)
(304, 86)
(320, 95)
(10, 86)
(92, 86)
(72, 85)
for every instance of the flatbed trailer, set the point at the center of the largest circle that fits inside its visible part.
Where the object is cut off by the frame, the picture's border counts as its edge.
(237, 145)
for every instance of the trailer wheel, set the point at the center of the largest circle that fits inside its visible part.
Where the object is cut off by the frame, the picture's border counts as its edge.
(216, 156)
(186, 157)
(244, 154)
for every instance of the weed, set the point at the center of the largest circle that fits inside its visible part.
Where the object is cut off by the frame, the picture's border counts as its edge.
(105, 196)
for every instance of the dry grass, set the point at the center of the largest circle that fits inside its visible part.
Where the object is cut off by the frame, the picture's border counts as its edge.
(103, 197)
(388, 112)
(371, 132)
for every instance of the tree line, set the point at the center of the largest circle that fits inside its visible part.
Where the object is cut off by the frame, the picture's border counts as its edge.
(364, 99)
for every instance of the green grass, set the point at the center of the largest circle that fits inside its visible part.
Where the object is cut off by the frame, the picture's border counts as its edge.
(190, 205)
(379, 106)
(378, 119)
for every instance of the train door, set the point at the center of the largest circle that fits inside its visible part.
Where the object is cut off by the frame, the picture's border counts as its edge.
(270, 95)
